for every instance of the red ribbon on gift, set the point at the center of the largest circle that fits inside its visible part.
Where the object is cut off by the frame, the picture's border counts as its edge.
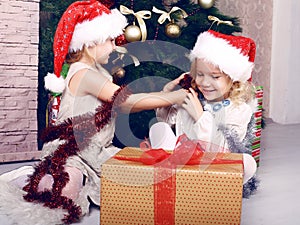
(186, 152)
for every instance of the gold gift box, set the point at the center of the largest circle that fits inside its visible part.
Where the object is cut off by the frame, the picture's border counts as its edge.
(205, 194)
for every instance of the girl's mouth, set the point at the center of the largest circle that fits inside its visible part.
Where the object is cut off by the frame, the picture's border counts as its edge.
(207, 91)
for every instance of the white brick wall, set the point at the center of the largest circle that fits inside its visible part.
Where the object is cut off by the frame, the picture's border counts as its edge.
(19, 36)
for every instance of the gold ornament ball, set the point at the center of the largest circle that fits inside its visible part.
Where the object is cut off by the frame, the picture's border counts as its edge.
(133, 33)
(118, 72)
(172, 30)
(206, 4)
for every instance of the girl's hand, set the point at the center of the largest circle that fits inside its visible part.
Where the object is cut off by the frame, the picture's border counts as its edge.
(172, 84)
(180, 96)
(193, 105)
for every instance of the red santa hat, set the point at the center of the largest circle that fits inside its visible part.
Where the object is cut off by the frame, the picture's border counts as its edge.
(234, 55)
(83, 23)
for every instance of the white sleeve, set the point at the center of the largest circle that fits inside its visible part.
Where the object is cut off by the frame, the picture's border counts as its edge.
(203, 128)
(235, 118)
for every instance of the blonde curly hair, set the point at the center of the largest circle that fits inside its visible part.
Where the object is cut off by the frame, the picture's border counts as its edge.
(242, 92)
(73, 57)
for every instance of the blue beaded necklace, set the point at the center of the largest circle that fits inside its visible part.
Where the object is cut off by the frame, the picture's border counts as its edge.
(216, 106)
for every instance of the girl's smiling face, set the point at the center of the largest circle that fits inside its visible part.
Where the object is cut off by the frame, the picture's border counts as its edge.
(211, 82)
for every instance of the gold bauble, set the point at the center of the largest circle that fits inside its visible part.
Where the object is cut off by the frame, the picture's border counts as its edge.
(172, 30)
(118, 72)
(133, 33)
(206, 4)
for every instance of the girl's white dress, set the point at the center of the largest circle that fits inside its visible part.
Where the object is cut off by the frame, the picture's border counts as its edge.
(88, 160)
(219, 122)
(208, 127)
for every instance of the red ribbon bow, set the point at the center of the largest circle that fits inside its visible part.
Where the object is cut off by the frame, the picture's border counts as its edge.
(186, 152)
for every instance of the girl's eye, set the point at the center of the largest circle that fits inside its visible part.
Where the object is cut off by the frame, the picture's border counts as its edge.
(216, 77)
(200, 75)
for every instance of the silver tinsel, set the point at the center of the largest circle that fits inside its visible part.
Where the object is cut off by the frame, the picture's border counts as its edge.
(245, 146)
(234, 144)
(250, 187)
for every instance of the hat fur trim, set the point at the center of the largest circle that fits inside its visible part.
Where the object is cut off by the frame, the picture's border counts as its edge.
(98, 30)
(221, 53)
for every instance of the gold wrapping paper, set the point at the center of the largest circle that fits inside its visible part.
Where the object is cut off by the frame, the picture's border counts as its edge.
(208, 194)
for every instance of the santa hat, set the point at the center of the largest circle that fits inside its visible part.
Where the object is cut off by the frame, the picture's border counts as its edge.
(83, 23)
(234, 55)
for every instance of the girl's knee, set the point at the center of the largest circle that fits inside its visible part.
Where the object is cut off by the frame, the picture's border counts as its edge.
(250, 167)
(162, 136)
(73, 187)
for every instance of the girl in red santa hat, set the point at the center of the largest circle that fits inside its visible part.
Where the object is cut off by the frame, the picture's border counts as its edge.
(219, 108)
(60, 187)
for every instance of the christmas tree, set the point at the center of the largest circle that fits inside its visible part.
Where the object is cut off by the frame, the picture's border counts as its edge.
(163, 31)
(169, 25)
(173, 21)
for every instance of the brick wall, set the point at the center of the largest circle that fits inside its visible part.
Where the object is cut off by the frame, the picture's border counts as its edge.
(19, 37)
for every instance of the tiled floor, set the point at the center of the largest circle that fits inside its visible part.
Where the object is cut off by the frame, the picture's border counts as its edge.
(277, 201)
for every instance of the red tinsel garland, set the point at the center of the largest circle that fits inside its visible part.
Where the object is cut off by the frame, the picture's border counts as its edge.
(84, 126)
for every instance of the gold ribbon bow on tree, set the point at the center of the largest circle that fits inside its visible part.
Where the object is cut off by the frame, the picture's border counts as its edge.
(167, 15)
(121, 52)
(140, 16)
(218, 21)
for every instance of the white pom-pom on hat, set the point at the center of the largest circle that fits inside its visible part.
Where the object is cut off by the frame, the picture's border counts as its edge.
(54, 84)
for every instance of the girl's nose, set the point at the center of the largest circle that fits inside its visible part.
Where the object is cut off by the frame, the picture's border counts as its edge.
(205, 82)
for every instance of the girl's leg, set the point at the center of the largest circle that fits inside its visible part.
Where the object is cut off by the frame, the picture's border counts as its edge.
(72, 188)
(250, 167)
(162, 136)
